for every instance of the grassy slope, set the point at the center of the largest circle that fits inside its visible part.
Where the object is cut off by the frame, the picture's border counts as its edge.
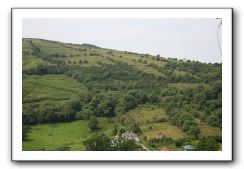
(51, 136)
(146, 116)
(73, 54)
(59, 88)
(50, 88)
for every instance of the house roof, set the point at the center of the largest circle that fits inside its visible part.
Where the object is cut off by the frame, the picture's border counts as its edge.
(129, 134)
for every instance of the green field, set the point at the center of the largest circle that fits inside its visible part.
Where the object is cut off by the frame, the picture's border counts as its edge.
(157, 130)
(149, 119)
(50, 87)
(71, 134)
(147, 114)
(54, 136)
(207, 130)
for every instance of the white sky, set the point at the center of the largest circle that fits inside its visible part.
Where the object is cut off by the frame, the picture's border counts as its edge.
(194, 39)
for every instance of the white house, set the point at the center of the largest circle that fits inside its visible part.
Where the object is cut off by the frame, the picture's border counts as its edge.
(129, 135)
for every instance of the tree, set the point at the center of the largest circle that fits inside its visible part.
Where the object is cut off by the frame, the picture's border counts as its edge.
(179, 142)
(99, 63)
(107, 106)
(194, 131)
(135, 128)
(92, 123)
(25, 131)
(127, 145)
(35, 50)
(84, 114)
(186, 125)
(208, 144)
(115, 129)
(40, 70)
(200, 98)
(158, 57)
(67, 113)
(98, 143)
(139, 60)
(75, 105)
(85, 97)
(130, 105)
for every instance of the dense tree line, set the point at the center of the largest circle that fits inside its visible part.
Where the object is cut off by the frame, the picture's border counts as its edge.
(159, 142)
(205, 72)
(46, 69)
(209, 143)
(184, 121)
(48, 113)
(201, 144)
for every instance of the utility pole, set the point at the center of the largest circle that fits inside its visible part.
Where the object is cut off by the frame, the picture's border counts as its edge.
(218, 29)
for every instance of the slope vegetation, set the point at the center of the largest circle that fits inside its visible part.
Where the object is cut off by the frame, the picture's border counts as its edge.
(73, 93)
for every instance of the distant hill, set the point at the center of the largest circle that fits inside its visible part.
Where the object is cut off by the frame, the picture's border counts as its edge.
(166, 101)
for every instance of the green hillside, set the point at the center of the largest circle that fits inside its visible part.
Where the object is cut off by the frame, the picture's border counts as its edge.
(75, 95)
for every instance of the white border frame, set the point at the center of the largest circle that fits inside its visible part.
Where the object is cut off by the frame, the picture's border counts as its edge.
(18, 155)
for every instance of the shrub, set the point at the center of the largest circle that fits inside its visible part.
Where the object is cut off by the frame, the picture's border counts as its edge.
(92, 123)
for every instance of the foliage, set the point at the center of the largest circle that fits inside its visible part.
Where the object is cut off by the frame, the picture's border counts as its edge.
(127, 145)
(102, 142)
(98, 143)
(163, 141)
(209, 143)
(92, 123)
(25, 130)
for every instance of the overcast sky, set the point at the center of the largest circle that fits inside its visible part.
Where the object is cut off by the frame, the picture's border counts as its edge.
(194, 39)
